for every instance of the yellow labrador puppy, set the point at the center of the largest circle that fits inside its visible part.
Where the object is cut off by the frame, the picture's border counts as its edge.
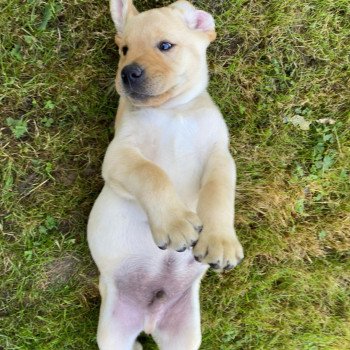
(166, 211)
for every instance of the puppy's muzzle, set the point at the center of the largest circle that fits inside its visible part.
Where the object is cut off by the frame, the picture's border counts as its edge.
(133, 76)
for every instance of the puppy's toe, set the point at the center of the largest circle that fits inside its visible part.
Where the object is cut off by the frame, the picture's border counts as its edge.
(182, 237)
(161, 239)
(195, 221)
(180, 250)
(215, 266)
(179, 231)
(233, 253)
(215, 256)
(163, 247)
(200, 250)
(220, 251)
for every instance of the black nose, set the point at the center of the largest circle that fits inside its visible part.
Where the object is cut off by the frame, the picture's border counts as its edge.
(132, 74)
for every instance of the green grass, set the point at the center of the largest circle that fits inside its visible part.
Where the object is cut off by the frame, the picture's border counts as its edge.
(272, 61)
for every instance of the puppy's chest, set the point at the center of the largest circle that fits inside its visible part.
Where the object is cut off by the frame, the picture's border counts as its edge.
(173, 141)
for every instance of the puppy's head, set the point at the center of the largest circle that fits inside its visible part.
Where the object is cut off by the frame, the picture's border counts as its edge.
(162, 52)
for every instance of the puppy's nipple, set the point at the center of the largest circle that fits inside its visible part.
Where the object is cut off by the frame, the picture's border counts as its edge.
(160, 294)
(157, 295)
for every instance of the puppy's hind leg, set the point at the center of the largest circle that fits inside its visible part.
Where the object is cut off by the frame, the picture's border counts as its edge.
(180, 329)
(119, 322)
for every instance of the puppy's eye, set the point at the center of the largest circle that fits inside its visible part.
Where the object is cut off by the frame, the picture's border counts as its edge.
(165, 46)
(125, 50)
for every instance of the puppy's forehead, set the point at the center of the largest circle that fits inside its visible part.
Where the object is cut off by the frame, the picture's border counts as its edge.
(155, 25)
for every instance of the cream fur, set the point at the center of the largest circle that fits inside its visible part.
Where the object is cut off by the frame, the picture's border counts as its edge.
(167, 172)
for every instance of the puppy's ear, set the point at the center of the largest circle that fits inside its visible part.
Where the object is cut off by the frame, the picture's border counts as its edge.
(121, 10)
(196, 19)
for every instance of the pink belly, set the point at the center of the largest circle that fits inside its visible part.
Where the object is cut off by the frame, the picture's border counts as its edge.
(152, 291)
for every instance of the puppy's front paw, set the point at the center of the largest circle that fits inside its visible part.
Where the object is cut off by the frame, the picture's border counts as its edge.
(179, 229)
(222, 251)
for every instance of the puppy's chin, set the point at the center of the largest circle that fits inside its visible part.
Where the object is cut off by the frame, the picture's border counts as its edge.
(140, 100)
(145, 100)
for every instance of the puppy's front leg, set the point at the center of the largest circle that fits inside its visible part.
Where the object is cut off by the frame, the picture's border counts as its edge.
(218, 244)
(171, 223)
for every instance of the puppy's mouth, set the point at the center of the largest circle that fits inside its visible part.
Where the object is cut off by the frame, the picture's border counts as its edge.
(136, 95)
(149, 92)
(147, 99)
